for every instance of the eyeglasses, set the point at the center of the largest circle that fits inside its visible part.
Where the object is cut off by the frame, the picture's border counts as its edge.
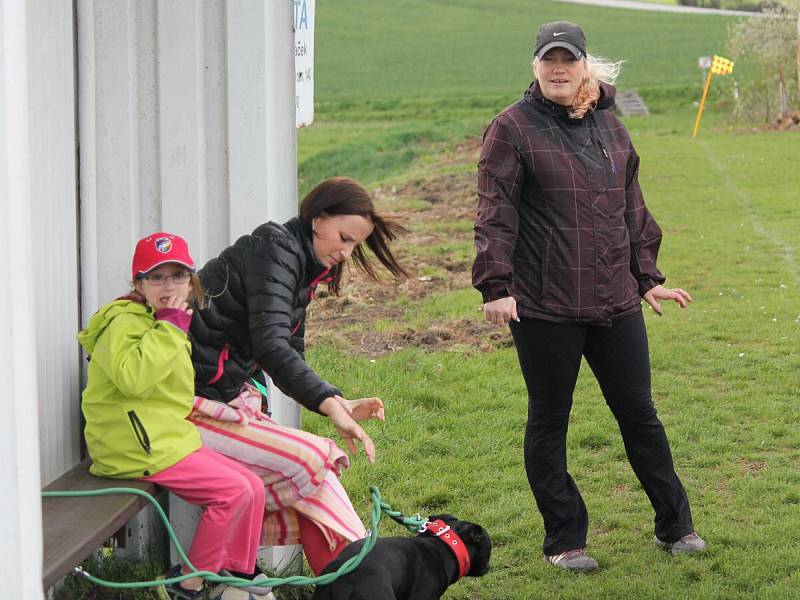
(159, 279)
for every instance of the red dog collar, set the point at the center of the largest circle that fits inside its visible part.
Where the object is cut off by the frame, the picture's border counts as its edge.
(442, 530)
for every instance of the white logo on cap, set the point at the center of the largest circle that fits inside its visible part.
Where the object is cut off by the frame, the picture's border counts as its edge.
(558, 34)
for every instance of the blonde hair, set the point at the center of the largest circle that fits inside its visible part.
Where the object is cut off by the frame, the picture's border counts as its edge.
(597, 70)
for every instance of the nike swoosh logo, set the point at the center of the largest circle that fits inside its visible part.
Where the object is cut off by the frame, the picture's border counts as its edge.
(558, 34)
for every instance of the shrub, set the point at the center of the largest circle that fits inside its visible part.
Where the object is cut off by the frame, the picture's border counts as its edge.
(765, 52)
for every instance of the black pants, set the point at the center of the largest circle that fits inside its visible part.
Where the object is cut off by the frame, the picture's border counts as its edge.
(550, 357)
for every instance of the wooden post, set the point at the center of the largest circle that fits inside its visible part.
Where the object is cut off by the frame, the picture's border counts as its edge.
(798, 58)
(702, 104)
(782, 107)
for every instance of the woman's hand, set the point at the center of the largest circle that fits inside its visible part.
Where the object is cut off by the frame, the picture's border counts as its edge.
(363, 408)
(348, 429)
(653, 295)
(501, 311)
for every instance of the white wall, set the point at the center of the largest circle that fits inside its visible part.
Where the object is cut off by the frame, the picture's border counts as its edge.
(186, 124)
(20, 503)
(54, 206)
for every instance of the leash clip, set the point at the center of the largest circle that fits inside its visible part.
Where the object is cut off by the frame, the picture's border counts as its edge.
(437, 528)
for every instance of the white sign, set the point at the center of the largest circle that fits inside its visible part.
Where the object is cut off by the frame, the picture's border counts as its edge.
(304, 62)
(704, 62)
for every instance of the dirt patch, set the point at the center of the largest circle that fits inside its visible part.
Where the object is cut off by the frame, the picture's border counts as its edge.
(751, 467)
(369, 318)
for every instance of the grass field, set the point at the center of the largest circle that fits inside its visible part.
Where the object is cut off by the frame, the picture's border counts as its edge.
(424, 48)
(725, 383)
(403, 85)
(394, 78)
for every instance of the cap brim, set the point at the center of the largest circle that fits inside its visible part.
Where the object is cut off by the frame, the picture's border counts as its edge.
(576, 52)
(166, 262)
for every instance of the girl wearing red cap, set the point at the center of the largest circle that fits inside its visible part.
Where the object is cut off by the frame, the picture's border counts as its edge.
(139, 393)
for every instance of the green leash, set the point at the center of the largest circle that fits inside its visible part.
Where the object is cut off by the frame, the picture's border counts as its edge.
(379, 507)
(264, 391)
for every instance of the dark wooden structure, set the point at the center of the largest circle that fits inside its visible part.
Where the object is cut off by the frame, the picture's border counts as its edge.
(74, 527)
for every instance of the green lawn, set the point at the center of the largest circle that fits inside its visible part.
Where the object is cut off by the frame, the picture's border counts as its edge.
(402, 84)
(394, 79)
(725, 383)
(367, 49)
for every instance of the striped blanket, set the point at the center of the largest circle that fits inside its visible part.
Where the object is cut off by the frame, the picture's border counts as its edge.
(300, 470)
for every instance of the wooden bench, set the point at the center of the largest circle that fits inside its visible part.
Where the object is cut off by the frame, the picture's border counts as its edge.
(74, 527)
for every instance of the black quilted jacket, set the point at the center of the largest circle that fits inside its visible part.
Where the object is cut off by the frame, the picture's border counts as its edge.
(258, 290)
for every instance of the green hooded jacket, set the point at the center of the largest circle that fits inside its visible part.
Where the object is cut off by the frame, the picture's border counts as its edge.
(139, 393)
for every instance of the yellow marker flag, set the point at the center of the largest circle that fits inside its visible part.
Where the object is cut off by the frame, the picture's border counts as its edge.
(721, 66)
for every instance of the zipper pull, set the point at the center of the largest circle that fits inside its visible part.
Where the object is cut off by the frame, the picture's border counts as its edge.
(611, 162)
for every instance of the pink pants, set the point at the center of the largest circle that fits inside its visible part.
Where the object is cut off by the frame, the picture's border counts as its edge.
(229, 530)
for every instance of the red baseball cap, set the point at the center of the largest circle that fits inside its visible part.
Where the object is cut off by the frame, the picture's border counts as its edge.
(158, 249)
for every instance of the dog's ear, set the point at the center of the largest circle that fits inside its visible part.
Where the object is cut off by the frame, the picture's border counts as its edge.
(477, 540)
(448, 519)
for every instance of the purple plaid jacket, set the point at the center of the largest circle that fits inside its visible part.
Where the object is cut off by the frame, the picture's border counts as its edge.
(561, 225)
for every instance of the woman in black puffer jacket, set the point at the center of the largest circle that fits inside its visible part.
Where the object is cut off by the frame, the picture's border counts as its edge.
(259, 289)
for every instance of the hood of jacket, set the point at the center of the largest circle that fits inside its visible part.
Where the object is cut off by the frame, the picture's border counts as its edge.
(534, 95)
(100, 320)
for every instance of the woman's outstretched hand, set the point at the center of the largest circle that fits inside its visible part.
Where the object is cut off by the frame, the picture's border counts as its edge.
(347, 428)
(659, 292)
(363, 408)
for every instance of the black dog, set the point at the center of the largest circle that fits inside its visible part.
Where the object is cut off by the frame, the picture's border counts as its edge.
(418, 568)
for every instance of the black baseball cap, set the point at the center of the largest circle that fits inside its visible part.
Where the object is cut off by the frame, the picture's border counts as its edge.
(560, 34)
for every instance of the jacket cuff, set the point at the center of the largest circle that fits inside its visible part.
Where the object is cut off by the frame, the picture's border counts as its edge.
(175, 316)
(495, 291)
(645, 285)
(328, 393)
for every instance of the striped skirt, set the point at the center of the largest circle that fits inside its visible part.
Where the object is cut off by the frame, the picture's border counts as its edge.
(300, 470)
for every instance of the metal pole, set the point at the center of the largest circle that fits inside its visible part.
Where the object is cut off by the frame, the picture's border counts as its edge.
(702, 104)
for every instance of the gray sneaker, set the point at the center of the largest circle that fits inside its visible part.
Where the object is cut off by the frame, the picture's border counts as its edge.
(264, 592)
(688, 544)
(576, 561)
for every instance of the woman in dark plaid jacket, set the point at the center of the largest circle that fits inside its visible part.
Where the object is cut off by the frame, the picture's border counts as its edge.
(566, 250)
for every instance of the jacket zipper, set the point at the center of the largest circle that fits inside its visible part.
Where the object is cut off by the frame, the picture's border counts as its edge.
(608, 158)
(223, 356)
(140, 431)
(312, 290)
(609, 178)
